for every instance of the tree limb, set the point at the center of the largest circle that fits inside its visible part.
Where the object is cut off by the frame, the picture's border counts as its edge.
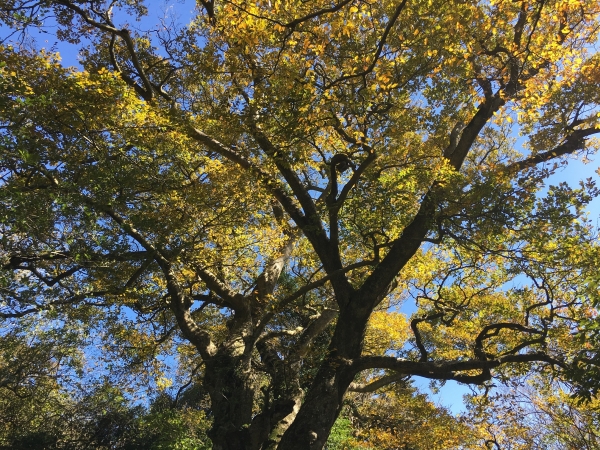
(402, 249)
(377, 384)
(311, 332)
(317, 13)
(147, 93)
(575, 141)
(380, 45)
(266, 318)
(449, 370)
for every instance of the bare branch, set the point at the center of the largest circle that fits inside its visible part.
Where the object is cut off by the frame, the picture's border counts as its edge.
(494, 329)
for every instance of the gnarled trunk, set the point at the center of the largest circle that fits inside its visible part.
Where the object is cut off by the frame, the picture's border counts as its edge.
(232, 383)
(323, 402)
(232, 390)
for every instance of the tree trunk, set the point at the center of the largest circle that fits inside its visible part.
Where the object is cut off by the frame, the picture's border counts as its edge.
(231, 383)
(231, 389)
(323, 401)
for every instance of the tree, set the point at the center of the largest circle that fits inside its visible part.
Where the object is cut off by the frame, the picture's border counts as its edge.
(527, 417)
(399, 418)
(252, 192)
(102, 419)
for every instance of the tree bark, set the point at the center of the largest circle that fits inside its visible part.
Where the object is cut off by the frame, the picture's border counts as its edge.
(323, 401)
(231, 389)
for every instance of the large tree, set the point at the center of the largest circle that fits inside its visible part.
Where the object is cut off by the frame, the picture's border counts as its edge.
(256, 193)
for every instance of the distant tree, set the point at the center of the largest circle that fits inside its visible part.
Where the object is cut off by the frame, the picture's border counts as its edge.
(540, 417)
(399, 418)
(252, 196)
(101, 420)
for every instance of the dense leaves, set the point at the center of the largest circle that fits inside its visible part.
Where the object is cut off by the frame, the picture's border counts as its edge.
(289, 206)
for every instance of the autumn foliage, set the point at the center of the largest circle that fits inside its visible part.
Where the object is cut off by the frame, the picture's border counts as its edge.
(274, 216)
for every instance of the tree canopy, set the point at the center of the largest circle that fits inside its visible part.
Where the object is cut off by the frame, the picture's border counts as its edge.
(269, 213)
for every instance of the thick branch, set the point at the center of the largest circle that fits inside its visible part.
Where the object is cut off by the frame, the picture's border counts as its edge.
(403, 248)
(415, 329)
(353, 181)
(377, 384)
(214, 284)
(302, 291)
(53, 304)
(471, 131)
(180, 303)
(312, 226)
(267, 280)
(273, 334)
(271, 184)
(572, 143)
(449, 370)
(16, 260)
(335, 201)
(311, 332)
